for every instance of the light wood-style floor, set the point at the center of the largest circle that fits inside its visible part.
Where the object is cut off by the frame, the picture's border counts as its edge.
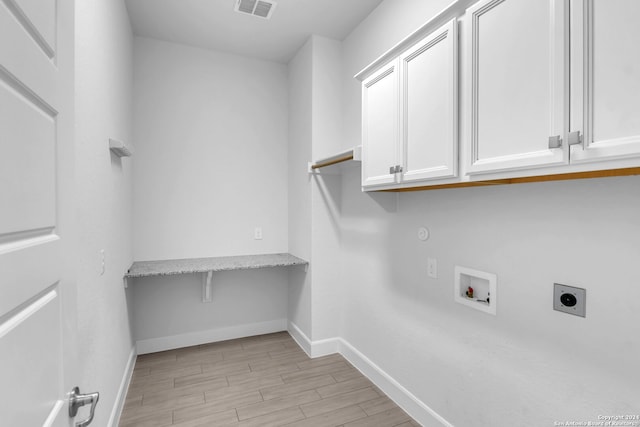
(258, 381)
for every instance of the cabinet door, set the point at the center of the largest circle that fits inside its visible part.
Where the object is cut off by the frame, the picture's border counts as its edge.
(606, 83)
(429, 106)
(380, 110)
(516, 55)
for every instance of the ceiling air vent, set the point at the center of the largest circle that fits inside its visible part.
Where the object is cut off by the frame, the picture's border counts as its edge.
(261, 8)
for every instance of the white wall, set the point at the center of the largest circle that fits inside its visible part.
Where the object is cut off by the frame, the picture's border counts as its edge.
(168, 311)
(327, 94)
(211, 141)
(314, 232)
(299, 184)
(529, 365)
(326, 188)
(211, 165)
(103, 110)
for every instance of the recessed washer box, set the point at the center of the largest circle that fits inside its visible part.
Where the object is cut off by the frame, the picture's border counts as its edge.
(484, 287)
(569, 299)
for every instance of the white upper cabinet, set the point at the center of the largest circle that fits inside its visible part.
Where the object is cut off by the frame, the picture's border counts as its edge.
(429, 107)
(409, 114)
(380, 126)
(550, 87)
(516, 57)
(605, 83)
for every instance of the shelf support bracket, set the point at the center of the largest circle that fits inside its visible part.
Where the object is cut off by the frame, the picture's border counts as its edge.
(206, 286)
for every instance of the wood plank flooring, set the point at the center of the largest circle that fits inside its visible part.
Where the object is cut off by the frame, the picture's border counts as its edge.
(258, 381)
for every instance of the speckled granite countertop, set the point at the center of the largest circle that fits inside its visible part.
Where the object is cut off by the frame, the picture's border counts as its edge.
(201, 265)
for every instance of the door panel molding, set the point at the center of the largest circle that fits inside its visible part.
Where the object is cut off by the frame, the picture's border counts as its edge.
(583, 89)
(387, 109)
(558, 34)
(31, 28)
(447, 164)
(38, 316)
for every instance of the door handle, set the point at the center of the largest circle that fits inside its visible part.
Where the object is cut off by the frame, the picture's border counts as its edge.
(76, 400)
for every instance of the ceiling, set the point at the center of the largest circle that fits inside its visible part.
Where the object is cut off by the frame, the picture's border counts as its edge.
(213, 24)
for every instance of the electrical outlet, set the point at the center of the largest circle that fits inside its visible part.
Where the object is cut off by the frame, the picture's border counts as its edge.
(257, 233)
(432, 267)
(569, 299)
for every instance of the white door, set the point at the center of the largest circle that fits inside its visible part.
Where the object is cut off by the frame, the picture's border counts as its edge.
(429, 80)
(37, 289)
(380, 137)
(517, 54)
(605, 82)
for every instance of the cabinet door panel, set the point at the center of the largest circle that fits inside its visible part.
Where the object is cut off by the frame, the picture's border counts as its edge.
(380, 126)
(429, 83)
(610, 82)
(519, 81)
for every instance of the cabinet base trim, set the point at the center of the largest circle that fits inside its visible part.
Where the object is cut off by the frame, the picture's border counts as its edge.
(541, 178)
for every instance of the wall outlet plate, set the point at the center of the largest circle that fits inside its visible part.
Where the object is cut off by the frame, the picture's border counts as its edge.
(432, 268)
(569, 299)
(257, 233)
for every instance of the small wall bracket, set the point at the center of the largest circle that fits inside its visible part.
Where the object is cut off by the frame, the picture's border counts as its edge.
(120, 148)
(206, 286)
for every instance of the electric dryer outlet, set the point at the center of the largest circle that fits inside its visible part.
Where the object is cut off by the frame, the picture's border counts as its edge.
(569, 299)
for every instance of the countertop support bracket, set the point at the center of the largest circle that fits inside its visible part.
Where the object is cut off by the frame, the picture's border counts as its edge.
(206, 286)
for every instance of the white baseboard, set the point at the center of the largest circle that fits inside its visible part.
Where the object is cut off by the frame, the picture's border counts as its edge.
(300, 337)
(116, 412)
(153, 345)
(325, 347)
(313, 348)
(413, 406)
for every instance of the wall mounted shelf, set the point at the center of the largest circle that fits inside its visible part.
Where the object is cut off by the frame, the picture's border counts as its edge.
(352, 154)
(207, 266)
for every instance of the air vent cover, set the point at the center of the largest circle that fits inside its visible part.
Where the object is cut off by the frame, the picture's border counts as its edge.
(260, 8)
